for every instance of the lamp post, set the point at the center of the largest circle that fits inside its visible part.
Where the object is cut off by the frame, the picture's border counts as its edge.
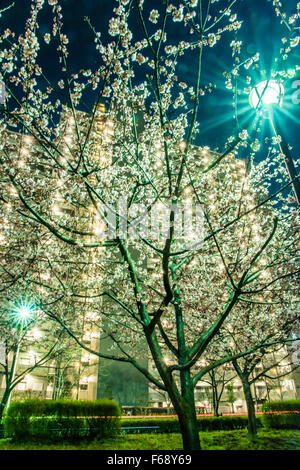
(264, 96)
(22, 315)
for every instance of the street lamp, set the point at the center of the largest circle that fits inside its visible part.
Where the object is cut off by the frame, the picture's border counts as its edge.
(265, 96)
(22, 314)
(266, 93)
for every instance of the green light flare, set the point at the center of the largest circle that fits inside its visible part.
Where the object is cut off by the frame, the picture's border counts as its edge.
(22, 312)
(266, 93)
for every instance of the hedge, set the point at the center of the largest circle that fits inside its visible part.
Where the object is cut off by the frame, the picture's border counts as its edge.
(153, 410)
(63, 407)
(283, 405)
(171, 425)
(146, 410)
(61, 419)
(283, 414)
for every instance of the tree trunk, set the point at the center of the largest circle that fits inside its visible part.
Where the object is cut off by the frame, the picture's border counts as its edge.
(252, 426)
(189, 428)
(3, 403)
(185, 409)
(187, 414)
(215, 394)
(215, 402)
(184, 406)
(2, 406)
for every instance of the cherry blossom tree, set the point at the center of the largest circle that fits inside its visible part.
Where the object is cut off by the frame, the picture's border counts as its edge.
(249, 373)
(106, 191)
(263, 323)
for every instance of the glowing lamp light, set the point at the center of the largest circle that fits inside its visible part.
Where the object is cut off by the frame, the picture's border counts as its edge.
(266, 93)
(23, 312)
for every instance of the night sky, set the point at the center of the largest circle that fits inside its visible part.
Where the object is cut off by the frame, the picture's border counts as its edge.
(261, 32)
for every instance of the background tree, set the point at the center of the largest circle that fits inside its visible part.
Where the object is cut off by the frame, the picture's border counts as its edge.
(259, 325)
(219, 379)
(68, 369)
(231, 397)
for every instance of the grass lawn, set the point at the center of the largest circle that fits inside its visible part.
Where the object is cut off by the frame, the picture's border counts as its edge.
(213, 440)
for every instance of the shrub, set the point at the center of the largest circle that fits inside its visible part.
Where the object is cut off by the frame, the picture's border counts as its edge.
(61, 419)
(224, 423)
(171, 425)
(283, 405)
(68, 428)
(63, 407)
(283, 414)
(153, 410)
